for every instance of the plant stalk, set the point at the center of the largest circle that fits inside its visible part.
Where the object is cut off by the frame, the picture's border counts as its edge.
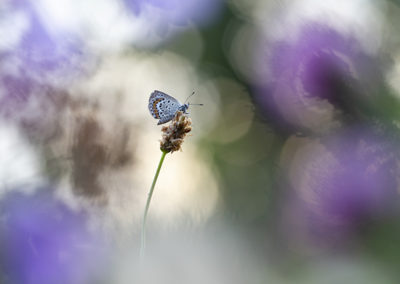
(146, 210)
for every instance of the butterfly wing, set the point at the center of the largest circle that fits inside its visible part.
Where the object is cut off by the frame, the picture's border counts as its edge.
(163, 106)
(158, 94)
(154, 99)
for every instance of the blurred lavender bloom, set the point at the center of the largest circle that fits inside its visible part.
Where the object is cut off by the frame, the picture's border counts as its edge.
(307, 82)
(43, 241)
(343, 184)
(36, 66)
(175, 12)
(40, 50)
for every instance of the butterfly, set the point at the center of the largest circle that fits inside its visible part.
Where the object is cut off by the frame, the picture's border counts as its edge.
(164, 107)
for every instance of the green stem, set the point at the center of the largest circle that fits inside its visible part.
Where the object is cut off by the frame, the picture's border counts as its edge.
(146, 210)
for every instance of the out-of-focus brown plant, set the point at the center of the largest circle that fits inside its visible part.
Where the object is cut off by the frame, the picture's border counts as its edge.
(86, 145)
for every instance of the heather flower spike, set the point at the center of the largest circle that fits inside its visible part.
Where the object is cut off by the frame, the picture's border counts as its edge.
(173, 135)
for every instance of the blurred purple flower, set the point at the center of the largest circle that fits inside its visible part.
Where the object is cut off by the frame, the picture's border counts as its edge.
(43, 241)
(343, 183)
(36, 65)
(41, 51)
(175, 12)
(307, 80)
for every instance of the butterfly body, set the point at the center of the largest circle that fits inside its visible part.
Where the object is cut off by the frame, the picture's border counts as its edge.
(164, 107)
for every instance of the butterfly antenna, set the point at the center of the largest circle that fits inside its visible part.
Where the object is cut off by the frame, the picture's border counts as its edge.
(189, 97)
(190, 103)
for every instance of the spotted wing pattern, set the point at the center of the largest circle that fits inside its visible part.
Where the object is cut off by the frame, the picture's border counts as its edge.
(163, 106)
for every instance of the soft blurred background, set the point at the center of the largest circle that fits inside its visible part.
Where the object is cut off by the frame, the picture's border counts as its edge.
(292, 171)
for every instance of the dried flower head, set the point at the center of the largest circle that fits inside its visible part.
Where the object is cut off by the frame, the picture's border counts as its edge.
(175, 132)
